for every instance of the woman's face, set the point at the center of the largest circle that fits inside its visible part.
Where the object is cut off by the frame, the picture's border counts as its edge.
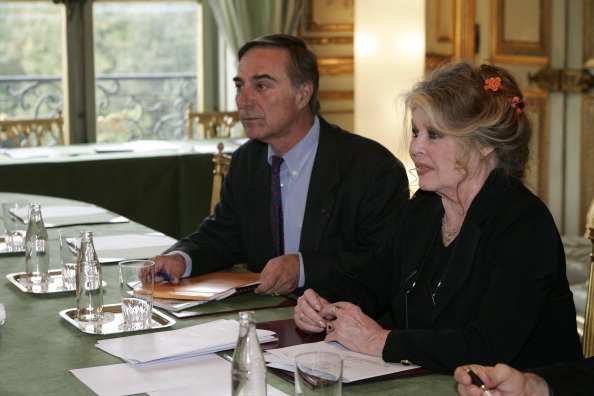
(435, 157)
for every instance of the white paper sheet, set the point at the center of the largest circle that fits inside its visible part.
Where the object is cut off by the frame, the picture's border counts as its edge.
(114, 248)
(67, 215)
(156, 348)
(204, 375)
(132, 241)
(356, 366)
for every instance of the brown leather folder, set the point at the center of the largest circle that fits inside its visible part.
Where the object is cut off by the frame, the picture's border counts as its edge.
(288, 335)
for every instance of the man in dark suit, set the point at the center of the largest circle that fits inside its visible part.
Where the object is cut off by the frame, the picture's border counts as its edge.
(340, 194)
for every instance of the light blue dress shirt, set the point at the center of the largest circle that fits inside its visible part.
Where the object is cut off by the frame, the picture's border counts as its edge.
(295, 173)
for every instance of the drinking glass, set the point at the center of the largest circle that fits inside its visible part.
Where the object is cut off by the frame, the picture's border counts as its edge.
(69, 246)
(136, 290)
(14, 216)
(318, 373)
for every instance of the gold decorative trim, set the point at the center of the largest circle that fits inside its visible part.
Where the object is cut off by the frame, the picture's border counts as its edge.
(336, 95)
(516, 51)
(586, 156)
(336, 65)
(328, 40)
(537, 109)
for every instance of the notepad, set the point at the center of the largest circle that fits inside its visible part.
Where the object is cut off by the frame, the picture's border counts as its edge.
(213, 286)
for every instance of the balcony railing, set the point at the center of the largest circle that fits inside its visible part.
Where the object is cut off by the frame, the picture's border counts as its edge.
(129, 106)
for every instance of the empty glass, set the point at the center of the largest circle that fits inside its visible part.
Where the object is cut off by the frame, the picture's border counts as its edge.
(318, 373)
(136, 290)
(14, 215)
(69, 245)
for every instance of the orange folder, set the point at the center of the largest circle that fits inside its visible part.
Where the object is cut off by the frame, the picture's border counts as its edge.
(213, 286)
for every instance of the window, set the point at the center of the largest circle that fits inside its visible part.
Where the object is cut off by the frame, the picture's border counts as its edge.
(30, 59)
(145, 68)
(145, 62)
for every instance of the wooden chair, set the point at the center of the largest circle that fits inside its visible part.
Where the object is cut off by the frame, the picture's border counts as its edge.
(214, 123)
(32, 132)
(221, 167)
(588, 338)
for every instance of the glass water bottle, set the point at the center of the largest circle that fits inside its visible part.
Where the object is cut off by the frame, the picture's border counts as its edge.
(248, 368)
(89, 289)
(36, 248)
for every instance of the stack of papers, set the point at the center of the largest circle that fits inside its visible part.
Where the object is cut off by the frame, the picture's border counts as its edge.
(355, 366)
(161, 347)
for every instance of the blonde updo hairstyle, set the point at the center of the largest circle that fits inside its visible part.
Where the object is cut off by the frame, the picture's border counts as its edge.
(459, 104)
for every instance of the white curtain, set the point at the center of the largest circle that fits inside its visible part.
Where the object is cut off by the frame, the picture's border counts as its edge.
(244, 20)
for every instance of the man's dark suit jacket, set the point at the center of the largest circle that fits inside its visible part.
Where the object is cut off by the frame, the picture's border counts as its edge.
(504, 299)
(356, 191)
(569, 378)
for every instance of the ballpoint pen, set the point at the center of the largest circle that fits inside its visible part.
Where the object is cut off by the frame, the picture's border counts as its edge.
(478, 382)
(165, 276)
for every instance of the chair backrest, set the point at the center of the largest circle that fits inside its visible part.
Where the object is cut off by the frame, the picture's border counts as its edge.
(588, 338)
(31, 132)
(214, 123)
(221, 163)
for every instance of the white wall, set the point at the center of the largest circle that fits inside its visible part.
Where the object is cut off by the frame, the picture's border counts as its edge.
(389, 58)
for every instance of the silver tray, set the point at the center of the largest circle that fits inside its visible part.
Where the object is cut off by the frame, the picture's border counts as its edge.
(55, 285)
(114, 321)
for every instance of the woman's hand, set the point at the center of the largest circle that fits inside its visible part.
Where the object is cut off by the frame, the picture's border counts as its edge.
(307, 312)
(353, 329)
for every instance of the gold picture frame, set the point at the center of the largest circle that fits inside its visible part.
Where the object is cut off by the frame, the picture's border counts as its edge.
(330, 15)
(512, 40)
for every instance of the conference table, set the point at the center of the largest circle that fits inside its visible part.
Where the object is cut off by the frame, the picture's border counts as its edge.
(165, 185)
(38, 347)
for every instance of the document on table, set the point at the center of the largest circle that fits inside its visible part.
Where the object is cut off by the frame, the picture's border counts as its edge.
(356, 366)
(203, 375)
(154, 348)
(114, 248)
(67, 215)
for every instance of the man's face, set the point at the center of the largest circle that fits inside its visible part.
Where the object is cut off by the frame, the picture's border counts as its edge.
(268, 105)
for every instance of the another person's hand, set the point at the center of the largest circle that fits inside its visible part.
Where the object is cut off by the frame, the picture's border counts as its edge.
(307, 312)
(173, 265)
(501, 380)
(353, 329)
(280, 275)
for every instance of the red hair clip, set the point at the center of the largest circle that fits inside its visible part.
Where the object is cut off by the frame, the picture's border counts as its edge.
(518, 104)
(492, 84)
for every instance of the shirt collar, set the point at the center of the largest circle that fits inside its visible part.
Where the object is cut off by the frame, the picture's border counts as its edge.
(297, 156)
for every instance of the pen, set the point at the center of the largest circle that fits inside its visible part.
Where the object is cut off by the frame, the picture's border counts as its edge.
(478, 382)
(165, 276)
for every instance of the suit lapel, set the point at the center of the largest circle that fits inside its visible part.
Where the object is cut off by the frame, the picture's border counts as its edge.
(321, 195)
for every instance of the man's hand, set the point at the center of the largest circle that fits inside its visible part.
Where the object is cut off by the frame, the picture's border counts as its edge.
(173, 265)
(280, 275)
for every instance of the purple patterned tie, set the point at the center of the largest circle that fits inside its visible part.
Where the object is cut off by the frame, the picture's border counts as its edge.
(276, 207)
